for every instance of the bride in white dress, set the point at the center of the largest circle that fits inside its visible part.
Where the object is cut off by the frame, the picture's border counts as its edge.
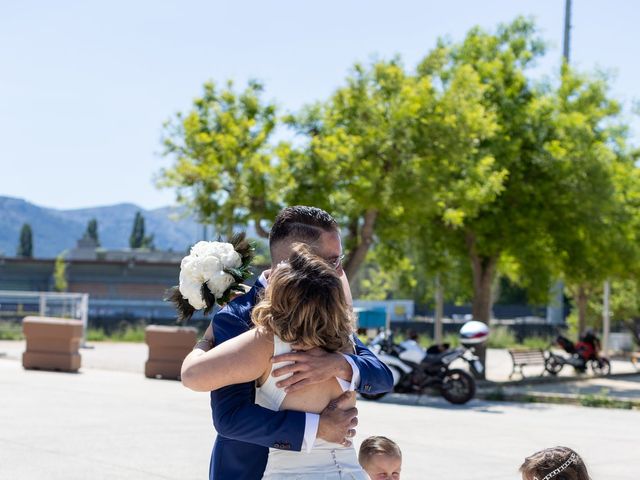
(303, 304)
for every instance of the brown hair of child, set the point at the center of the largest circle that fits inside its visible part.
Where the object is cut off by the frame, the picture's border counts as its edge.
(556, 463)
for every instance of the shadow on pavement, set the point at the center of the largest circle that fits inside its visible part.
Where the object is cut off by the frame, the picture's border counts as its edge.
(482, 406)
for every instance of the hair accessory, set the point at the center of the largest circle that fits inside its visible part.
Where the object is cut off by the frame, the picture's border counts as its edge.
(572, 459)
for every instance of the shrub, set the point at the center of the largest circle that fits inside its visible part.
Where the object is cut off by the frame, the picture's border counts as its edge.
(11, 331)
(501, 337)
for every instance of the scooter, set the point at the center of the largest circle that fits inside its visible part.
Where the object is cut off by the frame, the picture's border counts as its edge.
(582, 354)
(415, 369)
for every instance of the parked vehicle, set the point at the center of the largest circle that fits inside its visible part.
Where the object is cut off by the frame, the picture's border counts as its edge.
(415, 369)
(582, 355)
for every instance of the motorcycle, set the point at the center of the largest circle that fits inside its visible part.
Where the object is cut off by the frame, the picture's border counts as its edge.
(582, 354)
(415, 369)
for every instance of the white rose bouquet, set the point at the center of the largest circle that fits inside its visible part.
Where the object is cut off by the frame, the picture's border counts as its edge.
(210, 274)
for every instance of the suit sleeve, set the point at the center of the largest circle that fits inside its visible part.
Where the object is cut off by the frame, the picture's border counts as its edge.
(236, 416)
(375, 376)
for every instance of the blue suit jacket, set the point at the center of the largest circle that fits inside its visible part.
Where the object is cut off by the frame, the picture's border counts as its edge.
(246, 430)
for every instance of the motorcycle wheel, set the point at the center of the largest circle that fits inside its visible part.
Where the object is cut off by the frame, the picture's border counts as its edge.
(552, 365)
(458, 386)
(601, 366)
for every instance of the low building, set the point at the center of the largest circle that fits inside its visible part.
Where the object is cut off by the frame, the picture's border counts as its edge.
(127, 284)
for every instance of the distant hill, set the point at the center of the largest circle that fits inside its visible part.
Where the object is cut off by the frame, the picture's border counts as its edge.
(57, 230)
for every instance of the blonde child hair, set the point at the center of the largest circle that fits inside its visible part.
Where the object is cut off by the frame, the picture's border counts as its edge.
(383, 451)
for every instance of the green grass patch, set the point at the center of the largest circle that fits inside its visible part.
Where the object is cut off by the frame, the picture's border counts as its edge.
(603, 400)
(129, 333)
(536, 342)
(501, 337)
(11, 331)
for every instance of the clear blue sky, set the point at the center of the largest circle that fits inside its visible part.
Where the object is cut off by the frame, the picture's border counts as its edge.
(86, 86)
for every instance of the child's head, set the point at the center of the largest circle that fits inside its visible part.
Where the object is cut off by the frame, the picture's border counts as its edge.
(557, 463)
(381, 458)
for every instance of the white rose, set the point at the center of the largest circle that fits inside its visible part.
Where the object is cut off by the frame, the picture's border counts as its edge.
(207, 267)
(191, 291)
(231, 259)
(228, 255)
(219, 282)
(189, 268)
(200, 249)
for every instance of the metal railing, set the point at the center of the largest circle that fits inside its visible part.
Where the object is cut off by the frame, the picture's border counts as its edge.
(57, 304)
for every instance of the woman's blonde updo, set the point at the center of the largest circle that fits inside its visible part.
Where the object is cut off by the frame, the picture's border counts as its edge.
(304, 303)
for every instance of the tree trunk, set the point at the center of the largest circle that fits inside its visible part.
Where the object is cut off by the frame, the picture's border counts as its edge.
(483, 268)
(362, 245)
(634, 327)
(581, 303)
(262, 233)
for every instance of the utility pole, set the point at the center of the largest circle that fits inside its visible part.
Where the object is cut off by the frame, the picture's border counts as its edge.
(555, 309)
(567, 30)
(437, 324)
(606, 318)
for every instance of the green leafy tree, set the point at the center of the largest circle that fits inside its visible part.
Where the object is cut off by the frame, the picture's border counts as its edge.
(138, 239)
(60, 274)
(603, 184)
(223, 164)
(92, 231)
(379, 153)
(358, 152)
(25, 247)
(558, 168)
(625, 305)
(482, 220)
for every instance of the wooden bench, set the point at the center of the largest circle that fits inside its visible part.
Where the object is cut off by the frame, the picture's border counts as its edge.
(525, 357)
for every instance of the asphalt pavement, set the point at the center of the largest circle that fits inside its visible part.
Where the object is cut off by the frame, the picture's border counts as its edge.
(112, 422)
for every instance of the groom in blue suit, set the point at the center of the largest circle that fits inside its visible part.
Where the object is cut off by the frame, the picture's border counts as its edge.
(246, 431)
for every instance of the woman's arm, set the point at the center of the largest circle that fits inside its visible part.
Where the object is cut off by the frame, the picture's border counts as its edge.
(241, 359)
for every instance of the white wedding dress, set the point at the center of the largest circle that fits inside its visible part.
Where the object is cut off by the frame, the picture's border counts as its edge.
(325, 461)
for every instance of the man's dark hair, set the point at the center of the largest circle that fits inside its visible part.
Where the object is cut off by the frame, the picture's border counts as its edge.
(301, 224)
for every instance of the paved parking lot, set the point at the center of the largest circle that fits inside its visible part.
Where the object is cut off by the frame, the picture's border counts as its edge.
(130, 357)
(117, 424)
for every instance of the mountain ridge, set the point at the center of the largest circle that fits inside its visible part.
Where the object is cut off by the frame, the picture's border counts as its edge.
(57, 230)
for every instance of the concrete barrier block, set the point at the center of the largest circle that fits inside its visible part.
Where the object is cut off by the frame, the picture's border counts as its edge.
(51, 361)
(165, 336)
(51, 327)
(162, 369)
(167, 348)
(52, 343)
(169, 353)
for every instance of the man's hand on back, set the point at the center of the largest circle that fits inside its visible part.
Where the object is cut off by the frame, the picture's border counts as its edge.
(309, 367)
(338, 420)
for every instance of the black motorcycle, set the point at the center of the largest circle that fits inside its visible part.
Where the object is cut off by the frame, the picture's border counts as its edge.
(415, 369)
